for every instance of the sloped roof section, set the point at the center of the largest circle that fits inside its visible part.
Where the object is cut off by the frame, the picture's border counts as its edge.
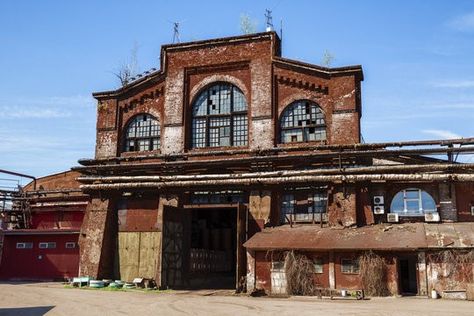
(397, 237)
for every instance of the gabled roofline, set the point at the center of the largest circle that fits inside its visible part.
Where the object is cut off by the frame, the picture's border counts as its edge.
(353, 69)
(160, 74)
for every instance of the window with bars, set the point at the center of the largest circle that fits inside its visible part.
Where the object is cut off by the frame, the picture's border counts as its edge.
(142, 133)
(412, 202)
(302, 121)
(220, 117)
(304, 205)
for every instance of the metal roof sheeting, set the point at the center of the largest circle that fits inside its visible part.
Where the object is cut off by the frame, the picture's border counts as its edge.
(409, 236)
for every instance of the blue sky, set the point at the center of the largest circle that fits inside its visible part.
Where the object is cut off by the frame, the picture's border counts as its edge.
(417, 58)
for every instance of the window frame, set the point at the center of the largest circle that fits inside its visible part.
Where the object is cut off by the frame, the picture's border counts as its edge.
(292, 107)
(67, 245)
(136, 139)
(318, 263)
(207, 119)
(295, 201)
(25, 244)
(421, 211)
(49, 245)
(354, 266)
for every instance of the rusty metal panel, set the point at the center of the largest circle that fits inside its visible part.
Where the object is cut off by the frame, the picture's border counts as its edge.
(128, 245)
(377, 237)
(450, 235)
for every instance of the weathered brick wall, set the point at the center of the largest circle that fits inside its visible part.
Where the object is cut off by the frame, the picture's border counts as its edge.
(464, 201)
(63, 180)
(342, 206)
(248, 64)
(97, 239)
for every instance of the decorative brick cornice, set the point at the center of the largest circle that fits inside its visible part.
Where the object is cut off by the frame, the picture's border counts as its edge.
(305, 85)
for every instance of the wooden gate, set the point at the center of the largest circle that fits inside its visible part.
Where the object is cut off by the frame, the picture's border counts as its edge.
(241, 256)
(175, 247)
(137, 254)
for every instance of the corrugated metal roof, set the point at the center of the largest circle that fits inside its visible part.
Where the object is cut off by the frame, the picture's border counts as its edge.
(410, 236)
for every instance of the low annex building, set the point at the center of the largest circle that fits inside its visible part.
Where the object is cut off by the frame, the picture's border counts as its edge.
(208, 170)
(39, 228)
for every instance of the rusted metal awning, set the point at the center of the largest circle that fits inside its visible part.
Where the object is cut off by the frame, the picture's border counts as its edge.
(396, 237)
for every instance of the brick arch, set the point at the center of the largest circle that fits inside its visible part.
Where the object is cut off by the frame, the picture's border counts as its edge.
(300, 96)
(218, 78)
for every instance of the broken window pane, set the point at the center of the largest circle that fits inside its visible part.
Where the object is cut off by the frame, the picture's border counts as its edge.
(142, 133)
(302, 121)
(220, 117)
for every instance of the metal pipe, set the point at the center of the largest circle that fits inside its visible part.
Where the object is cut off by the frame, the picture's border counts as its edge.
(306, 156)
(20, 175)
(280, 180)
(357, 146)
(385, 168)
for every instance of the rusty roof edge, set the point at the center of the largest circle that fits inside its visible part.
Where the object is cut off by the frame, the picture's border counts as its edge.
(157, 75)
(325, 70)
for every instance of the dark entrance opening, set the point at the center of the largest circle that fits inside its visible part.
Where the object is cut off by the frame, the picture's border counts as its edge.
(202, 247)
(212, 254)
(407, 276)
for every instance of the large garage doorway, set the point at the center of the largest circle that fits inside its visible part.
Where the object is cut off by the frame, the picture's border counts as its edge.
(407, 273)
(202, 247)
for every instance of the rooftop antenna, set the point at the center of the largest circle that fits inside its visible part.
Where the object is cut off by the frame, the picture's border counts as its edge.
(269, 20)
(176, 32)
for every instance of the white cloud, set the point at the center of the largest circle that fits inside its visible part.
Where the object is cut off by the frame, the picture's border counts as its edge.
(463, 22)
(44, 107)
(444, 134)
(454, 84)
(31, 112)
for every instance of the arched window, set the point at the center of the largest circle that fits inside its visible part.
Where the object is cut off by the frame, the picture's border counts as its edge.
(142, 133)
(412, 202)
(302, 121)
(220, 117)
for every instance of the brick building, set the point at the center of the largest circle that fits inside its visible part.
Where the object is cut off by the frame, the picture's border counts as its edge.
(40, 230)
(211, 168)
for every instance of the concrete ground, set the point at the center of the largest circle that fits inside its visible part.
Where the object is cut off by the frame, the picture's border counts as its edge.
(55, 299)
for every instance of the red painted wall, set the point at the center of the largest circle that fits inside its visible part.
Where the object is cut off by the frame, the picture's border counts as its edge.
(39, 264)
(55, 220)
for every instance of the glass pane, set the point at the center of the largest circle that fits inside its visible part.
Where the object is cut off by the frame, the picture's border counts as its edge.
(413, 207)
(397, 205)
(307, 118)
(427, 202)
(412, 194)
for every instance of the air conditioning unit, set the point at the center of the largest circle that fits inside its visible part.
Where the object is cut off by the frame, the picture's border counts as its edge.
(378, 200)
(432, 217)
(379, 209)
(392, 218)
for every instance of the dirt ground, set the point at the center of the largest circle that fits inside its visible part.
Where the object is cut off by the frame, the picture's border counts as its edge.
(55, 299)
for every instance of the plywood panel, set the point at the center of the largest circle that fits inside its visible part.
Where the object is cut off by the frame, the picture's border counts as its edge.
(129, 245)
(149, 246)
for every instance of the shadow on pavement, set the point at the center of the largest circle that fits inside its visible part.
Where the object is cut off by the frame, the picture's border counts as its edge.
(25, 311)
